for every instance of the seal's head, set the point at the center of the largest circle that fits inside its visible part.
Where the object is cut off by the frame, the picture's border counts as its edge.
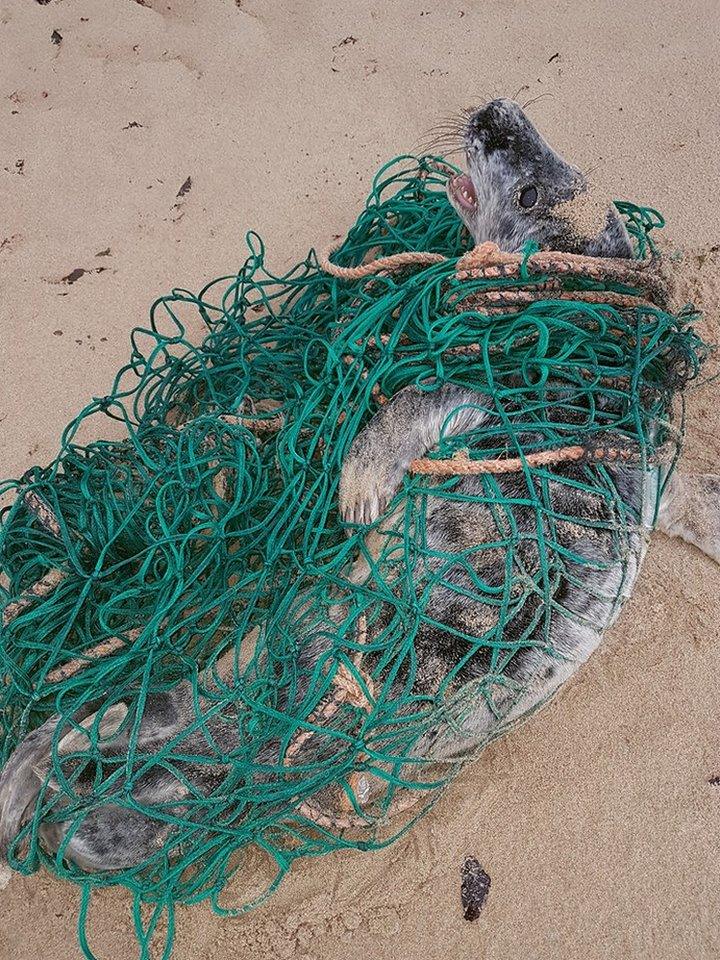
(518, 188)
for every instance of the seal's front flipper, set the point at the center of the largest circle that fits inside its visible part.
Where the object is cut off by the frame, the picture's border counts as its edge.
(406, 428)
(690, 509)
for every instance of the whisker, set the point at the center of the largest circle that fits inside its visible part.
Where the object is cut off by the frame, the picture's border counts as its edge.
(591, 169)
(435, 150)
(532, 100)
(439, 149)
(450, 142)
(450, 135)
(452, 117)
(443, 134)
(447, 132)
(446, 135)
(452, 153)
(449, 123)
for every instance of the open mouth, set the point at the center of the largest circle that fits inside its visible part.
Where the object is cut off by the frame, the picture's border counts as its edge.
(463, 191)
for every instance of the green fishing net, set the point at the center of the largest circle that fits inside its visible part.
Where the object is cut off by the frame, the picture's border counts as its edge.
(206, 547)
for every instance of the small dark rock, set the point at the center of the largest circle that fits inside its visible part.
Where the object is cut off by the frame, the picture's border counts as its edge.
(56, 36)
(474, 888)
(553, 57)
(714, 781)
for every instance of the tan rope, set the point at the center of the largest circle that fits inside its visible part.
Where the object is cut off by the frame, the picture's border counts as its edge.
(100, 650)
(41, 588)
(460, 464)
(47, 583)
(500, 300)
(384, 264)
(488, 256)
(349, 690)
(43, 511)
(348, 821)
(487, 260)
(257, 425)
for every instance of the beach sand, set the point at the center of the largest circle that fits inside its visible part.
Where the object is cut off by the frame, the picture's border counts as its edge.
(596, 821)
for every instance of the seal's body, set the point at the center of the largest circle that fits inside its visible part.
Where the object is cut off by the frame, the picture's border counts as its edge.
(605, 535)
(517, 189)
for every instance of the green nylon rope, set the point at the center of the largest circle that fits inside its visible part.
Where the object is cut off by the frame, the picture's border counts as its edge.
(198, 533)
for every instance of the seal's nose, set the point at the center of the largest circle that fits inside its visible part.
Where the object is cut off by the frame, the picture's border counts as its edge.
(484, 115)
(491, 126)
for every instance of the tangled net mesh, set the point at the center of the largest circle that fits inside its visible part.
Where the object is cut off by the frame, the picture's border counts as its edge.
(204, 549)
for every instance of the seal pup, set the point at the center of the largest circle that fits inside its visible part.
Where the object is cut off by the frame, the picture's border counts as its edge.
(517, 189)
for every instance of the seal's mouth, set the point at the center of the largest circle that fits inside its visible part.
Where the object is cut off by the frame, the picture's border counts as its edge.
(463, 192)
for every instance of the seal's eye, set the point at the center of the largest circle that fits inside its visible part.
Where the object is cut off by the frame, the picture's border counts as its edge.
(528, 197)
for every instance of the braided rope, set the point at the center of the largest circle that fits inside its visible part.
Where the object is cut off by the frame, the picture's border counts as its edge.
(100, 650)
(488, 261)
(383, 265)
(460, 464)
(41, 588)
